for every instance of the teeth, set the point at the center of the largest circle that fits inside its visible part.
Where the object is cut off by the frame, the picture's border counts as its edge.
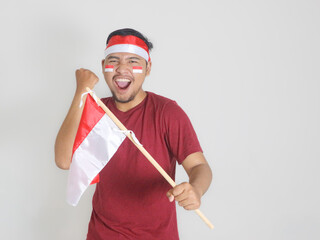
(123, 80)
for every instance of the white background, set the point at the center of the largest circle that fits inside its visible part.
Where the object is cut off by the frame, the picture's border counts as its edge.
(246, 72)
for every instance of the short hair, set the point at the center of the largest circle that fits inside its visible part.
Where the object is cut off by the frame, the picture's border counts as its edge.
(130, 31)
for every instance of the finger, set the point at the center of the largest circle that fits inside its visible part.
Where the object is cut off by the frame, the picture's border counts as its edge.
(191, 207)
(189, 203)
(184, 203)
(170, 196)
(187, 194)
(181, 197)
(177, 190)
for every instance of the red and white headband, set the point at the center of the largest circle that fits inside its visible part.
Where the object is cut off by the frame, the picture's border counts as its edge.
(130, 44)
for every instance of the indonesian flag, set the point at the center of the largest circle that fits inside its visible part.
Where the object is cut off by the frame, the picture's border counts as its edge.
(97, 139)
(108, 68)
(137, 69)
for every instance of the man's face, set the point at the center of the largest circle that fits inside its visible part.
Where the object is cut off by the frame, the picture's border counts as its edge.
(124, 84)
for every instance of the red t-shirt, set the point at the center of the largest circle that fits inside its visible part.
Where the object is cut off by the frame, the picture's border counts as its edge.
(130, 200)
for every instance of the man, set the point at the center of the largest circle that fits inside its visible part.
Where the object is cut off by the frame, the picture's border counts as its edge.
(132, 200)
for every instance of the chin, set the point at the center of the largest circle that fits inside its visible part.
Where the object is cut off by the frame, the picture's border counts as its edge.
(122, 99)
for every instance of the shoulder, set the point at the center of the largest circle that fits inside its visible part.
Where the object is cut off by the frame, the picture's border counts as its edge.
(161, 100)
(167, 109)
(163, 103)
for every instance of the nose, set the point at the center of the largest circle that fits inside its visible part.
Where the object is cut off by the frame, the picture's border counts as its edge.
(123, 68)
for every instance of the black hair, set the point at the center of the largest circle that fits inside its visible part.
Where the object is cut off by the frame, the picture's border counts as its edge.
(130, 31)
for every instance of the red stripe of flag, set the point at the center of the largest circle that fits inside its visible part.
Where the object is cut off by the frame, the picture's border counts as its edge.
(91, 115)
(137, 67)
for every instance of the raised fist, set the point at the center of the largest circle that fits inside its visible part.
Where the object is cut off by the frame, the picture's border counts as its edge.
(85, 78)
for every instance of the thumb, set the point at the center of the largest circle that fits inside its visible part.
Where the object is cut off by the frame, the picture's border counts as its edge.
(170, 195)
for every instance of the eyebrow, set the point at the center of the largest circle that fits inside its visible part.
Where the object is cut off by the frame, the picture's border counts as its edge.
(130, 58)
(134, 58)
(113, 57)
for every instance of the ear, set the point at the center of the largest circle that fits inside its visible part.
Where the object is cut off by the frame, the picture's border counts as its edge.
(102, 64)
(148, 70)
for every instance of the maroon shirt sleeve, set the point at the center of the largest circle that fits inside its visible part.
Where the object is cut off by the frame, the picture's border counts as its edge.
(180, 136)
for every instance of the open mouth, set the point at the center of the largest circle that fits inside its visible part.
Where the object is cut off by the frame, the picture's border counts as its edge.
(123, 83)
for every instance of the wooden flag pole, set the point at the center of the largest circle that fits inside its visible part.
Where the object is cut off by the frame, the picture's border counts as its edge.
(144, 152)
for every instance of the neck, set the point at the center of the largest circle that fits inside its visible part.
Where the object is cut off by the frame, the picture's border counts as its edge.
(124, 107)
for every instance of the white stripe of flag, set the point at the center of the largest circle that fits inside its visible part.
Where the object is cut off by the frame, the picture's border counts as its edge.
(97, 140)
(108, 68)
(137, 69)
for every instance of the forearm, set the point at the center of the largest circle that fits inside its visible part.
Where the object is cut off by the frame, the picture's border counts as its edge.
(200, 177)
(67, 133)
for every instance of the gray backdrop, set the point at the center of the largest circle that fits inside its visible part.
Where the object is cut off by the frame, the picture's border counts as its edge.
(246, 73)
